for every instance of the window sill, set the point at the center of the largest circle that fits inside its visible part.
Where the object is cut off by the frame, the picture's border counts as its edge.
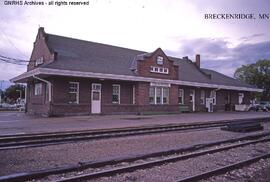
(73, 103)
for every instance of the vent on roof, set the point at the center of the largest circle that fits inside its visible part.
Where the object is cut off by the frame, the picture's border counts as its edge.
(185, 58)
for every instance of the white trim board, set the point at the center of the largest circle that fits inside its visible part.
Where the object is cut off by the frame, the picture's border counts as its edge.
(59, 72)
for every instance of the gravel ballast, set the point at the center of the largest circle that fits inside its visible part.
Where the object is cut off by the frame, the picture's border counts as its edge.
(182, 169)
(30, 159)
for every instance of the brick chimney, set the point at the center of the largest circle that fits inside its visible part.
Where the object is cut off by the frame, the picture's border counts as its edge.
(198, 60)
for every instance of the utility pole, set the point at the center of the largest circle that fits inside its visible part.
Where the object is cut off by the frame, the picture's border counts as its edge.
(1, 82)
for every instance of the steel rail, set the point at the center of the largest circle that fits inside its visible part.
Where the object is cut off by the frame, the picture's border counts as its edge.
(133, 167)
(38, 141)
(79, 132)
(43, 173)
(224, 169)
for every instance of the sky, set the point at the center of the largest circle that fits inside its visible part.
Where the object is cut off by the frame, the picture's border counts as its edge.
(178, 27)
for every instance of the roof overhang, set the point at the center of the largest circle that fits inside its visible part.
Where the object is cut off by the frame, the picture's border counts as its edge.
(47, 71)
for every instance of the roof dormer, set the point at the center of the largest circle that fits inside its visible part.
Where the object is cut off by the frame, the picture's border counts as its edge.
(155, 64)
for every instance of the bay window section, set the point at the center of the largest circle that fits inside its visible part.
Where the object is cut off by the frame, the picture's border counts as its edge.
(152, 95)
(165, 95)
(158, 95)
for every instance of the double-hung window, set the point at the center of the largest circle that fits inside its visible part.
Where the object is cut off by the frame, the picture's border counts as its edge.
(38, 89)
(152, 95)
(181, 96)
(74, 92)
(158, 95)
(116, 94)
(165, 95)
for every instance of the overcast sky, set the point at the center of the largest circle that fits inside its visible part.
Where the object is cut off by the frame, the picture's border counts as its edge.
(177, 26)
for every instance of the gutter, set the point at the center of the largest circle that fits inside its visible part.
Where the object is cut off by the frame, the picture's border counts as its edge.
(49, 85)
(49, 71)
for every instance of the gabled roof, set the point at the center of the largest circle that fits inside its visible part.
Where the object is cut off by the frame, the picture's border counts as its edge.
(80, 55)
(188, 71)
(218, 78)
(85, 56)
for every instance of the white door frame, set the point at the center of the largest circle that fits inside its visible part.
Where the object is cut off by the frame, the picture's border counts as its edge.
(96, 102)
(192, 94)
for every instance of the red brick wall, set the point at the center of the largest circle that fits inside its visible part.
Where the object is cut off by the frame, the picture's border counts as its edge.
(144, 67)
(61, 89)
(142, 92)
(37, 104)
(60, 106)
(40, 50)
(220, 99)
(125, 92)
(173, 95)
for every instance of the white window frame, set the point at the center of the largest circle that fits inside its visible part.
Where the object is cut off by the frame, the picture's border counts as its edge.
(181, 91)
(119, 93)
(162, 93)
(161, 70)
(38, 89)
(154, 96)
(161, 96)
(213, 94)
(202, 97)
(75, 92)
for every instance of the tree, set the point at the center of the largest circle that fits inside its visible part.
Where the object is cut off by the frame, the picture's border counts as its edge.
(1, 95)
(257, 74)
(13, 92)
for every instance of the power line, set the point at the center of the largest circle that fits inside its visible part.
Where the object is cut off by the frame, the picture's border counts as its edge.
(14, 59)
(12, 62)
(9, 41)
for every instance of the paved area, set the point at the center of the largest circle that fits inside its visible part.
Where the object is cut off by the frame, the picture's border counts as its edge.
(18, 122)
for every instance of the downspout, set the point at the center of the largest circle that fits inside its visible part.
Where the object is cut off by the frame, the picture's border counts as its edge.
(25, 98)
(49, 84)
(50, 91)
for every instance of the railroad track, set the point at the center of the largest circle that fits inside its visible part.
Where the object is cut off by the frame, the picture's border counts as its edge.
(36, 140)
(93, 170)
(44, 139)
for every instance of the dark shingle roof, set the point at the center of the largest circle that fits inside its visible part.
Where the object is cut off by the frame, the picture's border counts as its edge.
(188, 71)
(80, 55)
(220, 79)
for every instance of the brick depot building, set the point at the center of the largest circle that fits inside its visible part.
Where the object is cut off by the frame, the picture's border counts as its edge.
(67, 76)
